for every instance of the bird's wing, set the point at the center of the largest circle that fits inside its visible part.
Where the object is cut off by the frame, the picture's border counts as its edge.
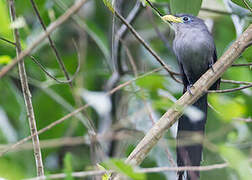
(216, 85)
(183, 75)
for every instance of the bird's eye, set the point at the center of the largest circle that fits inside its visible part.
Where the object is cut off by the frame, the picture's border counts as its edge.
(186, 19)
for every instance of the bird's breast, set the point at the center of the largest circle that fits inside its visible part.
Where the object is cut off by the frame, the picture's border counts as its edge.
(193, 50)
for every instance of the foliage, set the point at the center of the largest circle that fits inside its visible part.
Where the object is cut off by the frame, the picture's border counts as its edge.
(68, 166)
(68, 146)
(185, 6)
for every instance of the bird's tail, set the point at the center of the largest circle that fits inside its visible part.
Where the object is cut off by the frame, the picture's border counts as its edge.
(189, 147)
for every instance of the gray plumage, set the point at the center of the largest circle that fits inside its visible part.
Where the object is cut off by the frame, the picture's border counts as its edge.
(195, 51)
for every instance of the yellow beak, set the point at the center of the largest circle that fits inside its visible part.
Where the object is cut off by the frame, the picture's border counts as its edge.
(171, 18)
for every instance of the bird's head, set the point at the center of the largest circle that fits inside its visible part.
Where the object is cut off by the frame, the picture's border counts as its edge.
(183, 21)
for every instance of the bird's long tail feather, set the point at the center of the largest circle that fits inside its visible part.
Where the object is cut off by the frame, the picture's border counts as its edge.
(190, 133)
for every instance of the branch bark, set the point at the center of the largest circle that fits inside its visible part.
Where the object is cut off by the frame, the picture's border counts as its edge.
(27, 96)
(43, 36)
(198, 89)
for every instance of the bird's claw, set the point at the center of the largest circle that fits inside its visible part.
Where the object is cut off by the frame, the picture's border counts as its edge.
(188, 88)
(211, 67)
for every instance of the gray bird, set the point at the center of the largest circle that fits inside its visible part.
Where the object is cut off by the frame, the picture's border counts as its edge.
(195, 51)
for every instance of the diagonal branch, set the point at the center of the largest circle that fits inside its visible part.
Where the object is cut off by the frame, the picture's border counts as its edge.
(61, 63)
(199, 88)
(147, 47)
(43, 36)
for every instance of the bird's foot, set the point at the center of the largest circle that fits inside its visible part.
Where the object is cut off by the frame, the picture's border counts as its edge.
(188, 88)
(211, 66)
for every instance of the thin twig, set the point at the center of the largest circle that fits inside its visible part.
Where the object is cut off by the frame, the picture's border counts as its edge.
(60, 61)
(235, 82)
(6, 40)
(115, 134)
(148, 48)
(44, 68)
(221, 12)
(27, 96)
(116, 46)
(183, 168)
(243, 119)
(247, 5)
(73, 9)
(54, 78)
(74, 174)
(44, 129)
(131, 59)
(229, 90)
(235, 65)
(142, 170)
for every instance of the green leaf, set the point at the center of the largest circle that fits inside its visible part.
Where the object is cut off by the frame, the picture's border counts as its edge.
(229, 108)
(11, 170)
(247, 54)
(5, 59)
(237, 160)
(242, 3)
(151, 82)
(105, 176)
(98, 36)
(126, 169)
(109, 4)
(94, 32)
(5, 21)
(68, 166)
(185, 6)
(162, 103)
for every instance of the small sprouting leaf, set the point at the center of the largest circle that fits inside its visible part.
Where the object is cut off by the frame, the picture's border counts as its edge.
(109, 4)
(5, 59)
(127, 169)
(68, 166)
(120, 166)
(105, 176)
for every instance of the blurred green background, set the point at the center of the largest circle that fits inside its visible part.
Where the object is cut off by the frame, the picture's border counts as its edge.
(131, 110)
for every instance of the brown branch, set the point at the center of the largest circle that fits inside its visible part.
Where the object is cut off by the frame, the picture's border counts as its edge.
(115, 134)
(243, 119)
(147, 47)
(237, 65)
(27, 96)
(74, 174)
(44, 68)
(142, 170)
(54, 78)
(73, 9)
(247, 5)
(6, 40)
(235, 82)
(221, 12)
(230, 90)
(199, 88)
(61, 63)
(44, 129)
